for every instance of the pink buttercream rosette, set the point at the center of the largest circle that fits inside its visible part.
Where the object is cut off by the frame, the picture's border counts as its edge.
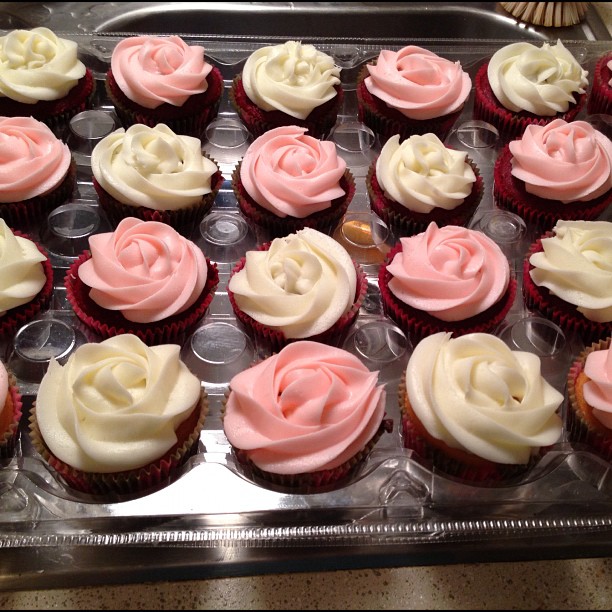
(583, 427)
(411, 91)
(457, 287)
(312, 445)
(143, 279)
(289, 180)
(558, 171)
(273, 340)
(163, 80)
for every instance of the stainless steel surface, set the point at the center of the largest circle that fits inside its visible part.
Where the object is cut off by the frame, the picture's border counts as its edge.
(354, 20)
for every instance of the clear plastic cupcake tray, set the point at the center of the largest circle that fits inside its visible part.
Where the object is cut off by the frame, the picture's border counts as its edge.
(214, 518)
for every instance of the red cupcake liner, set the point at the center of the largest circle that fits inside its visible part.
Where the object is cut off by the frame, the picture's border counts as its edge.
(319, 122)
(510, 194)
(190, 119)
(511, 125)
(16, 317)
(56, 114)
(584, 429)
(600, 98)
(183, 220)
(106, 323)
(405, 222)
(461, 465)
(8, 439)
(551, 307)
(272, 340)
(23, 215)
(386, 121)
(418, 323)
(129, 482)
(276, 227)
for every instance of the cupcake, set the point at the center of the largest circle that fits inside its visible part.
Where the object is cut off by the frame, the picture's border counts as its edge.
(523, 84)
(450, 279)
(38, 172)
(288, 180)
(303, 286)
(420, 181)
(567, 277)
(411, 91)
(163, 80)
(475, 410)
(10, 412)
(305, 418)
(600, 97)
(26, 280)
(288, 84)
(155, 175)
(119, 418)
(143, 278)
(589, 389)
(42, 77)
(555, 171)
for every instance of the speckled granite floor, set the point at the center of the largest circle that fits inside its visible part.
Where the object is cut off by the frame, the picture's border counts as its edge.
(561, 584)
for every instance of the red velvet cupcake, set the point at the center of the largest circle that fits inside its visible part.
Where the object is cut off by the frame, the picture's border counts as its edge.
(600, 96)
(460, 424)
(289, 180)
(39, 172)
(178, 189)
(523, 84)
(145, 279)
(393, 97)
(442, 186)
(135, 415)
(42, 77)
(270, 92)
(557, 171)
(26, 280)
(567, 275)
(163, 80)
(10, 412)
(450, 279)
(270, 439)
(303, 286)
(589, 389)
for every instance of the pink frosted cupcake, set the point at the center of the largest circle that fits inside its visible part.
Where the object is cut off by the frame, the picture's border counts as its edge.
(589, 389)
(163, 80)
(600, 97)
(119, 418)
(42, 77)
(10, 412)
(450, 279)
(156, 175)
(289, 180)
(26, 280)
(145, 279)
(411, 91)
(567, 275)
(556, 171)
(303, 286)
(38, 172)
(305, 418)
(420, 181)
(523, 84)
(288, 84)
(477, 411)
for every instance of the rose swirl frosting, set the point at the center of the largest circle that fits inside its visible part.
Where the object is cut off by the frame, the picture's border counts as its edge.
(309, 407)
(290, 173)
(144, 269)
(155, 70)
